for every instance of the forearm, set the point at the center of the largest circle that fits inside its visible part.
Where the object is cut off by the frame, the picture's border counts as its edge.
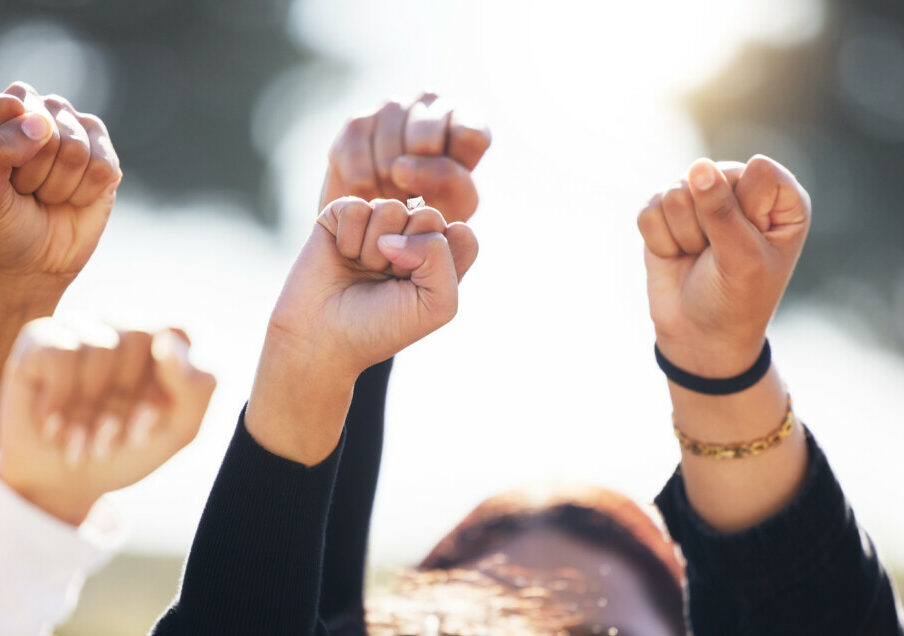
(807, 570)
(733, 494)
(298, 406)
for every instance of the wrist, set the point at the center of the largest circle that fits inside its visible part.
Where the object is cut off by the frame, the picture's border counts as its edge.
(298, 405)
(69, 508)
(711, 357)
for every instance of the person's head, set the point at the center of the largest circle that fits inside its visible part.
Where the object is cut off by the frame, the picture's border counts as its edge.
(578, 561)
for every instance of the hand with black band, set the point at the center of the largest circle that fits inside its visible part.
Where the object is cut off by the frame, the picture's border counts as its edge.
(721, 245)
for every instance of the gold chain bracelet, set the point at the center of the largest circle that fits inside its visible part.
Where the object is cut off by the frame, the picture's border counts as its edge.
(738, 450)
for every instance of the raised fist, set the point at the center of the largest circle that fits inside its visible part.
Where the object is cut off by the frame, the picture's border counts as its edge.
(89, 411)
(58, 180)
(399, 152)
(720, 249)
(371, 279)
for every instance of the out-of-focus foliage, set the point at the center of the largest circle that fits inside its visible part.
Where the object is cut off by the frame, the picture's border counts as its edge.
(832, 110)
(175, 80)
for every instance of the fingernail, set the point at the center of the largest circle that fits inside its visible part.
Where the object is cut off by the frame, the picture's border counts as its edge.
(75, 446)
(52, 426)
(395, 242)
(36, 127)
(703, 176)
(140, 425)
(107, 428)
(403, 172)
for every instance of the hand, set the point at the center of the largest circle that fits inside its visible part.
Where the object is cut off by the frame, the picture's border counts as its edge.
(720, 250)
(58, 180)
(82, 414)
(400, 152)
(371, 279)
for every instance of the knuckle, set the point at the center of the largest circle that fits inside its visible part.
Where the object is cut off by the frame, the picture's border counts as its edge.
(74, 152)
(359, 126)
(58, 102)
(99, 172)
(677, 198)
(92, 123)
(647, 219)
(391, 106)
(19, 89)
(761, 166)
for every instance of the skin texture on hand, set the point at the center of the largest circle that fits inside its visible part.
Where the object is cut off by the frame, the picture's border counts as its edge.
(402, 151)
(84, 412)
(58, 180)
(372, 278)
(720, 248)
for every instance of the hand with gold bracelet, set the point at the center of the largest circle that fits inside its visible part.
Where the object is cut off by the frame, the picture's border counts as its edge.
(720, 248)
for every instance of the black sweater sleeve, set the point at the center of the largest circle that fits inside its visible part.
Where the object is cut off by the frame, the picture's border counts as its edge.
(808, 570)
(256, 562)
(342, 593)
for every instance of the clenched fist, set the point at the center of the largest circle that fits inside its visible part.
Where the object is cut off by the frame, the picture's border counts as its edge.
(423, 149)
(371, 279)
(58, 179)
(720, 249)
(84, 412)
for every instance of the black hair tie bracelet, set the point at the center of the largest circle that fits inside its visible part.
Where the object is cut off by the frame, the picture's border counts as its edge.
(716, 386)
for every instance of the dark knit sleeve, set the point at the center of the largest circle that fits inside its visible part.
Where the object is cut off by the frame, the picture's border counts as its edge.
(256, 561)
(342, 593)
(808, 570)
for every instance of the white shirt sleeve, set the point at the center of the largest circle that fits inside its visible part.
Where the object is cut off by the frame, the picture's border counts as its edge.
(44, 561)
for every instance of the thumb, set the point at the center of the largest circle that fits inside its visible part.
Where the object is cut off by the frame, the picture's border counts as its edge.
(22, 138)
(444, 184)
(429, 259)
(733, 238)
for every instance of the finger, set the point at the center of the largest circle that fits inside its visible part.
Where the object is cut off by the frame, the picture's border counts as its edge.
(432, 270)
(103, 165)
(187, 388)
(678, 208)
(11, 107)
(75, 439)
(389, 217)
(464, 247)
(444, 184)
(72, 157)
(28, 178)
(655, 231)
(420, 221)
(388, 144)
(468, 142)
(423, 221)
(346, 220)
(21, 138)
(44, 361)
(352, 157)
(770, 195)
(734, 240)
(427, 127)
(97, 361)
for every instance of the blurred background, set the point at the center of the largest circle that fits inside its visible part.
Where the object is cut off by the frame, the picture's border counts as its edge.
(223, 111)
